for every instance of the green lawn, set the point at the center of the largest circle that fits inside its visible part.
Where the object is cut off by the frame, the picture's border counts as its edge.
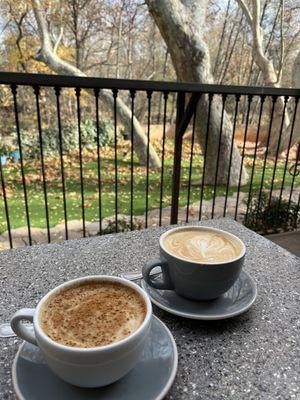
(15, 195)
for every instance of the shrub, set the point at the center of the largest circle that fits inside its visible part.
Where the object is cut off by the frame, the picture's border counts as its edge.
(70, 138)
(278, 215)
(89, 133)
(4, 148)
(123, 224)
(30, 144)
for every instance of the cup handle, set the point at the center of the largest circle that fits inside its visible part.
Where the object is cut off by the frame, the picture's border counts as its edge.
(21, 329)
(165, 282)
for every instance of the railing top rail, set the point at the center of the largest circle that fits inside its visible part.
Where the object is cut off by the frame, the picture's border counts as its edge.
(126, 84)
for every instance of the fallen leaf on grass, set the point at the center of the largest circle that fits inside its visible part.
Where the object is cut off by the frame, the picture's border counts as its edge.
(92, 197)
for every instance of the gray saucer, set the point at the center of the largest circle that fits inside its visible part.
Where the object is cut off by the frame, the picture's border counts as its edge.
(151, 378)
(237, 300)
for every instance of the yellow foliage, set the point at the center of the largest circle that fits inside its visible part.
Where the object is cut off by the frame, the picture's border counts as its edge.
(5, 96)
(66, 53)
(29, 48)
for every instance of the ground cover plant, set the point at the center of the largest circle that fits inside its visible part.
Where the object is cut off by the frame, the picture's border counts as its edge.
(275, 214)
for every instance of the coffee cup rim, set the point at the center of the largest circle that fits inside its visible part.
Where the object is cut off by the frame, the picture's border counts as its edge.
(217, 263)
(86, 350)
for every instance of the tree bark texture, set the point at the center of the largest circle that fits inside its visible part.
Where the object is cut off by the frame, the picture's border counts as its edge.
(181, 25)
(50, 58)
(270, 76)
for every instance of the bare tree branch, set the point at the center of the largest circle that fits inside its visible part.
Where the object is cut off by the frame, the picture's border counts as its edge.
(58, 40)
(246, 11)
(20, 37)
(221, 40)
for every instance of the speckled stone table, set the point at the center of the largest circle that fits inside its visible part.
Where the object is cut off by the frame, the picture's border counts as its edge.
(253, 356)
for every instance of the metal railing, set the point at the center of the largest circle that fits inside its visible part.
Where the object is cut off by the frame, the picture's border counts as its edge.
(29, 99)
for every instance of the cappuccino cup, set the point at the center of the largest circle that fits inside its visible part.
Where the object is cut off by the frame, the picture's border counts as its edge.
(199, 263)
(91, 330)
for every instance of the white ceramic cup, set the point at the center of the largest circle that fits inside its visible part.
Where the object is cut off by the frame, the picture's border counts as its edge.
(86, 367)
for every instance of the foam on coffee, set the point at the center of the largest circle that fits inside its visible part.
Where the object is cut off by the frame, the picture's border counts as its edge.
(92, 314)
(201, 245)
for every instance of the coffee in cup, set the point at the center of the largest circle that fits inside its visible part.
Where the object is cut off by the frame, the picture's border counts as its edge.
(91, 330)
(199, 263)
(203, 246)
(92, 314)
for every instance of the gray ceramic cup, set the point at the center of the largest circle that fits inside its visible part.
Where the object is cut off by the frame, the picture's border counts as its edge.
(194, 280)
(86, 367)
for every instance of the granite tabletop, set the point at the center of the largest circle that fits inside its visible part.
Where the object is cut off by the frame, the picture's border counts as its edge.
(252, 356)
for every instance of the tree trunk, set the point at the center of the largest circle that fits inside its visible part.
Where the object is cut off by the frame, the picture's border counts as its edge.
(213, 145)
(181, 25)
(50, 58)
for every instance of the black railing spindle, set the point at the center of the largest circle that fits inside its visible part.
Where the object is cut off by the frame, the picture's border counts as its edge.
(77, 92)
(274, 99)
(44, 180)
(224, 97)
(242, 158)
(288, 151)
(190, 169)
(62, 168)
(177, 159)
(14, 92)
(210, 99)
(166, 94)
(149, 96)
(295, 173)
(97, 92)
(298, 206)
(262, 100)
(277, 150)
(115, 95)
(237, 100)
(132, 96)
(6, 206)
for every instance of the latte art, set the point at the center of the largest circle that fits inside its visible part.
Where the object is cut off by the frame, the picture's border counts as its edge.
(202, 245)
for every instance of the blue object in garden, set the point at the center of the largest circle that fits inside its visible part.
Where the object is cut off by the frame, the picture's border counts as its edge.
(15, 155)
(3, 160)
